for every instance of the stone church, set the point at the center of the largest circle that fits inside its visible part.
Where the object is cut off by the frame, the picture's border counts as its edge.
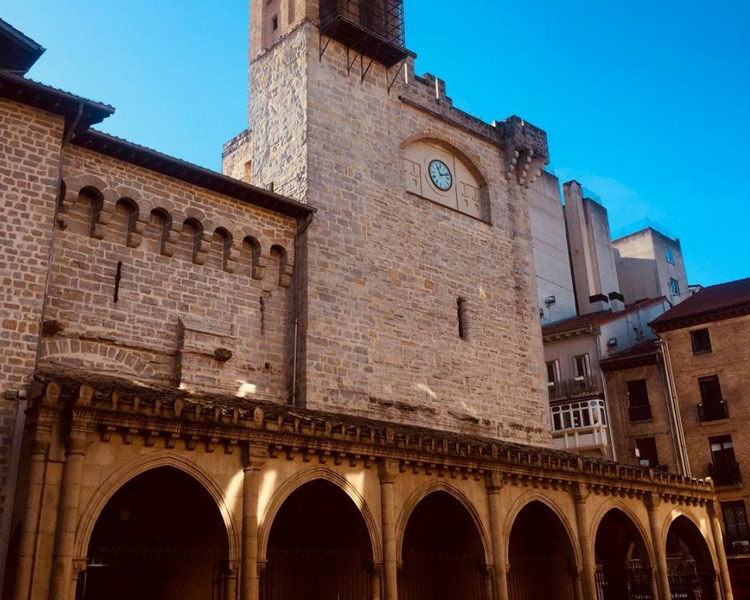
(317, 375)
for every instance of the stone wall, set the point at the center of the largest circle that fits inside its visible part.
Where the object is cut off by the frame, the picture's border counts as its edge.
(278, 116)
(386, 268)
(29, 159)
(158, 281)
(237, 156)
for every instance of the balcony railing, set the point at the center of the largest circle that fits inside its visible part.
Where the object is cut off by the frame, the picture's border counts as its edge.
(580, 424)
(640, 413)
(575, 388)
(727, 473)
(374, 28)
(713, 411)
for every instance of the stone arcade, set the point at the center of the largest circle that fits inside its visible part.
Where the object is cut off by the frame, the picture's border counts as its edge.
(330, 390)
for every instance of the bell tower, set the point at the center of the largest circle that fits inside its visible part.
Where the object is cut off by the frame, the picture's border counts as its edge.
(415, 300)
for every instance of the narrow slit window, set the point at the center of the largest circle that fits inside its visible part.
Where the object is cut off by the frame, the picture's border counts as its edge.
(461, 309)
(275, 22)
(118, 278)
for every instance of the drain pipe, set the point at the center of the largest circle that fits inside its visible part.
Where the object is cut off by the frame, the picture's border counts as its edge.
(673, 407)
(301, 230)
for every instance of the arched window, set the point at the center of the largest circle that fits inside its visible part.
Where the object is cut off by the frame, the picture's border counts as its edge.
(160, 223)
(280, 257)
(84, 213)
(190, 238)
(221, 247)
(250, 257)
(123, 221)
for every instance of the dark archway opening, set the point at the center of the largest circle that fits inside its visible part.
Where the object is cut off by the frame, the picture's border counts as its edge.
(443, 555)
(540, 556)
(160, 537)
(319, 547)
(689, 563)
(622, 567)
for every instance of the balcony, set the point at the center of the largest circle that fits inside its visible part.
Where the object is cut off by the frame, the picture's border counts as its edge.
(640, 413)
(727, 473)
(575, 388)
(713, 411)
(374, 28)
(579, 425)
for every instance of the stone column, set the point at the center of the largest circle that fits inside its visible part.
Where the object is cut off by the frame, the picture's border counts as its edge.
(63, 581)
(723, 575)
(580, 493)
(494, 483)
(230, 589)
(26, 553)
(254, 460)
(387, 472)
(660, 549)
(375, 571)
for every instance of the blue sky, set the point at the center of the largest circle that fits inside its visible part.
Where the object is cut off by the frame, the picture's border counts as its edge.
(645, 103)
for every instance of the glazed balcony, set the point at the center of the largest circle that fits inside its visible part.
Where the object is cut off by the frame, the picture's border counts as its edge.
(579, 425)
(713, 411)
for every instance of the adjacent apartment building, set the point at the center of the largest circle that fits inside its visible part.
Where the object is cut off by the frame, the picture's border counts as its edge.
(650, 264)
(680, 403)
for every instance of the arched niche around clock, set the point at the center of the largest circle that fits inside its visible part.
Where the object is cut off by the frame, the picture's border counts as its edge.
(438, 172)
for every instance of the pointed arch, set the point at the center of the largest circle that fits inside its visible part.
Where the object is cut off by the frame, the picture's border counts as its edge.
(296, 481)
(441, 486)
(109, 487)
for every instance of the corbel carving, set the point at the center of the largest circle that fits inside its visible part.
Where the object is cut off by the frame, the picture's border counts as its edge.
(524, 150)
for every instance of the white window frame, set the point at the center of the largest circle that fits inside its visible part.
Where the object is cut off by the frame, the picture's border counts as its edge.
(556, 368)
(586, 367)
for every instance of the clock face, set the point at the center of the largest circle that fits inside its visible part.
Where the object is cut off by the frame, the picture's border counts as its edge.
(441, 175)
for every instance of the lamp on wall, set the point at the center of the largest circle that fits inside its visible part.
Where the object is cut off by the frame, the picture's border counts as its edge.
(550, 301)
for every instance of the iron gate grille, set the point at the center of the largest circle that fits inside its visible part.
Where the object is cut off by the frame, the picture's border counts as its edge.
(535, 578)
(439, 576)
(623, 580)
(689, 580)
(320, 574)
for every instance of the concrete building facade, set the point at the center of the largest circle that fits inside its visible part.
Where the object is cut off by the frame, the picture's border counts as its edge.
(334, 392)
(650, 264)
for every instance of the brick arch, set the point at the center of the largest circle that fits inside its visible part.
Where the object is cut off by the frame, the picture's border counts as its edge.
(296, 481)
(617, 505)
(451, 144)
(535, 496)
(441, 486)
(107, 489)
(76, 183)
(54, 350)
(706, 534)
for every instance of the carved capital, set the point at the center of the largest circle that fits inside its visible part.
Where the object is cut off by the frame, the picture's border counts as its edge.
(79, 565)
(254, 457)
(580, 492)
(388, 470)
(78, 440)
(494, 482)
(41, 438)
(652, 500)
